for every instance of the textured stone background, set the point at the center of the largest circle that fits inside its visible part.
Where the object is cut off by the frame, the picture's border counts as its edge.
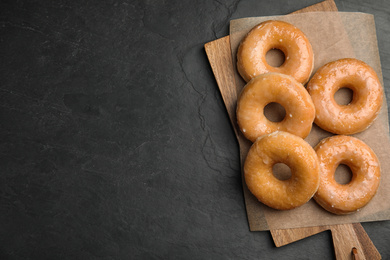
(115, 143)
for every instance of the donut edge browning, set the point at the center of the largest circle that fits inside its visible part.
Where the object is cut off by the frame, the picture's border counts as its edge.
(331, 116)
(268, 88)
(251, 60)
(282, 147)
(327, 193)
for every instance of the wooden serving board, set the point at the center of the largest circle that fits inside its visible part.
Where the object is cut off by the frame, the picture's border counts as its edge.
(350, 240)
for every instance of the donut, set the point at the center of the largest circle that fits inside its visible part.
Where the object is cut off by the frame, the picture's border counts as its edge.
(297, 154)
(283, 36)
(364, 164)
(366, 102)
(274, 88)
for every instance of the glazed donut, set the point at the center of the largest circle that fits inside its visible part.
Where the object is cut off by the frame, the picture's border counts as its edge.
(282, 147)
(274, 87)
(366, 102)
(346, 198)
(283, 36)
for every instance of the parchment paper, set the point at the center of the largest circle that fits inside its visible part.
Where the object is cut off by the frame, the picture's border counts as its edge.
(333, 35)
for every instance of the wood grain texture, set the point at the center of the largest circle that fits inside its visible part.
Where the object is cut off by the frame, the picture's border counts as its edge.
(346, 236)
(222, 65)
(325, 6)
(369, 249)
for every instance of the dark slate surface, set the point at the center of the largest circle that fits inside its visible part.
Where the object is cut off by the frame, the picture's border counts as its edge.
(115, 143)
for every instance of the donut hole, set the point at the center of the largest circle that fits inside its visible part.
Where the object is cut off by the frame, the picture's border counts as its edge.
(281, 171)
(275, 57)
(274, 112)
(344, 96)
(343, 174)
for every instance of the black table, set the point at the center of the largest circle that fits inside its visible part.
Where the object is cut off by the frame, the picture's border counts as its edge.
(115, 142)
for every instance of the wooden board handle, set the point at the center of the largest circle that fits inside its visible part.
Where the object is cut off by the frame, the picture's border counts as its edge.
(350, 241)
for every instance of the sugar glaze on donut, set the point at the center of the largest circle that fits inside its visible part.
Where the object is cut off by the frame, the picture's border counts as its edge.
(367, 99)
(282, 89)
(282, 147)
(268, 35)
(364, 164)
